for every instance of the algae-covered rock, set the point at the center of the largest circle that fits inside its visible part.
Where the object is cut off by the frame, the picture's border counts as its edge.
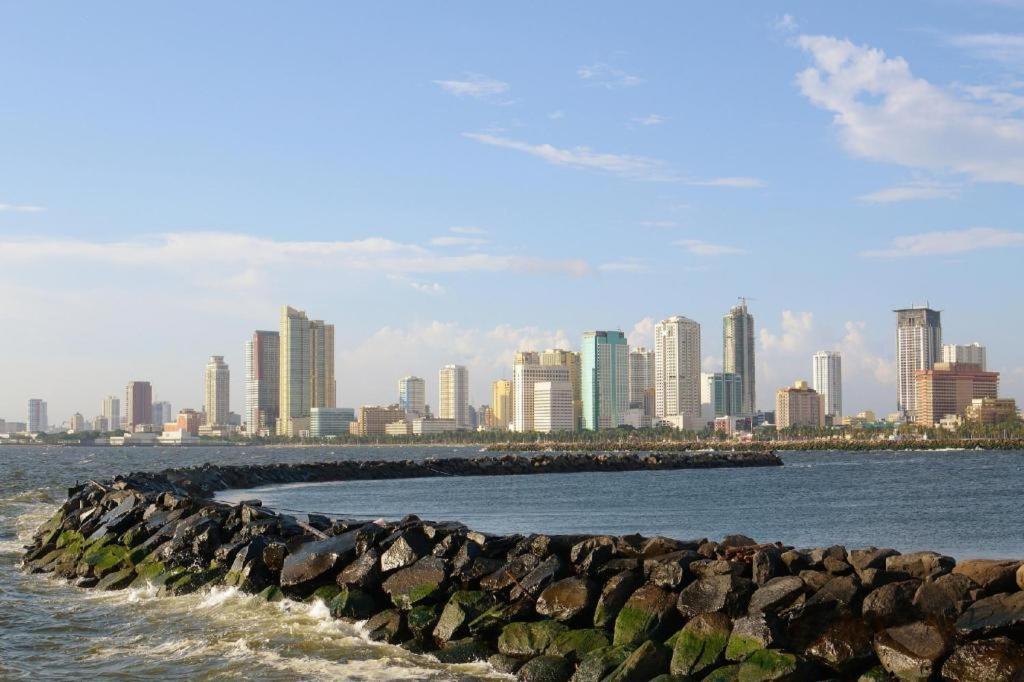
(545, 668)
(526, 640)
(351, 603)
(410, 586)
(648, 660)
(568, 599)
(751, 633)
(613, 597)
(576, 644)
(700, 645)
(596, 665)
(422, 619)
(464, 650)
(647, 614)
(386, 626)
(271, 594)
(324, 593)
(769, 664)
(118, 580)
(462, 607)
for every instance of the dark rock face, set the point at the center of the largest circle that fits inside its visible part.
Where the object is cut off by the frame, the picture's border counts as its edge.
(911, 652)
(920, 565)
(767, 564)
(891, 604)
(846, 646)
(613, 597)
(995, 660)
(1000, 613)
(568, 599)
(725, 593)
(750, 634)
(546, 669)
(776, 594)
(944, 599)
(417, 583)
(314, 559)
(645, 663)
(992, 575)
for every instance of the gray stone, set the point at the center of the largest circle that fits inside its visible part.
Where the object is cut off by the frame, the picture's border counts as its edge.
(568, 599)
(463, 607)
(998, 614)
(943, 600)
(313, 560)
(920, 565)
(716, 593)
(767, 564)
(752, 633)
(891, 604)
(545, 669)
(911, 652)
(990, 660)
(992, 575)
(870, 557)
(700, 645)
(534, 582)
(846, 646)
(363, 572)
(406, 550)
(616, 591)
(647, 614)
(417, 583)
(777, 594)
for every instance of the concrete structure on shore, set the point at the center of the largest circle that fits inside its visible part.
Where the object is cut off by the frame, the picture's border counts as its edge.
(605, 379)
(827, 380)
(918, 347)
(948, 388)
(262, 382)
(453, 395)
(412, 396)
(738, 353)
(799, 405)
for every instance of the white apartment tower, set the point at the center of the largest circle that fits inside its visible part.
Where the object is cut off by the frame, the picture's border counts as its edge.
(972, 354)
(918, 346)
(262, 377)
(641, 379)
(827, 380)
(526, 374)
(412, 396)
(112, 411)
(552, 406)
(216, 392)
(677, 367)
(453, 395)
(37, 419)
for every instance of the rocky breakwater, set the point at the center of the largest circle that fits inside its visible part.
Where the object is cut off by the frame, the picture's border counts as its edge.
(559, 607)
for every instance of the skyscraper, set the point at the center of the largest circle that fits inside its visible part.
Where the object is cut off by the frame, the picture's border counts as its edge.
(453, 396)
(162, 412)
(525, 375)
(641, 380)
(217, 391)
(738, 352)
(972, 354)
(827, 379)
(501, 403)
(138, 405)
(112, 411)
(605, 379)
(295, 383)
(37, 420)
(677, 367)
(262, 381)
(412, 396)
(725, 393)
(918, 346)
(323, 388)
(569, 359)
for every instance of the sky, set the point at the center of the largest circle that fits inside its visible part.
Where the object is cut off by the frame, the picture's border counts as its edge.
(453, 182)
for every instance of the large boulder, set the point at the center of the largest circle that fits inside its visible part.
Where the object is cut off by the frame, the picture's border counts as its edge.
(726, 593)
(568, 599)
(752, 633)
(920, 565)
(645, 663)
(465, 650)
(769, 664)
(647, 614)
(387, 626)
(364, 572)
(670, 570)
(599, 663)
(408, 548)
(545, 669)
(767, 564)
(534, 582)
(614, 594)
(839, 591)
(526, 640)
(992, 575)
(313, 561)
(943, 600)
(870, 557)
(510, 574)
(1020, 577)
(576, 644)
(993, 660)
(998, 614)
(417, 583)
(911, 652)
(891, 604)
(776, 594)
(700, 645)
(463, 607)
(846, 646)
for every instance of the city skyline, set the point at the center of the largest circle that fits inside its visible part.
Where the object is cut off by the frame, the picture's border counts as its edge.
(486, 196)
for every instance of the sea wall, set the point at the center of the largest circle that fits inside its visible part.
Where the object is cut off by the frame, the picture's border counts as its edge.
(552, 607)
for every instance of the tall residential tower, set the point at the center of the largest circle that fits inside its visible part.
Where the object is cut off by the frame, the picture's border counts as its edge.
(677, 367)
(738, 353)
(604, 365)
(918, 346)
(294, 387)
(216, 391)
(262, 382)
(412, 396)
(453, 395)
(827, 380)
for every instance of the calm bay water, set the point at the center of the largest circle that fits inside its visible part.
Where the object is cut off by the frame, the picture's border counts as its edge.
(962, 503)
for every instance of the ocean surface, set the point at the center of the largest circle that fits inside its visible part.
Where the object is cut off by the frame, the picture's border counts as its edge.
(964, 503)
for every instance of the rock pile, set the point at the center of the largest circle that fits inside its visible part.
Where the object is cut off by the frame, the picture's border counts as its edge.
(559, 607)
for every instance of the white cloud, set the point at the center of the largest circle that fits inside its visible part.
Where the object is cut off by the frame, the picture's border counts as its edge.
(884, 113)
(859, 360)
(467, 229)
(642, 334)
(606, 76)
(21, 208)
(622, 165)
(796, 331)
(912, 191)
(1006, 48)
(948, 243)
(474, 85)
(649, 120)
(711, 364)
(702, 248)
(785, 24)
(458, 241)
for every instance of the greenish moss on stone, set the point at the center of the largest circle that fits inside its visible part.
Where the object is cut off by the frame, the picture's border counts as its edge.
(526, 640)
(575, 644)
(767, 664)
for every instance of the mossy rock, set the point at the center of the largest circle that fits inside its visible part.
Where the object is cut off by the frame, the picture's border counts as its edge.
(68, 538)
(464, 651)
(768, 664)
(728, 673)
(596, 665)
(526, 640)
(739, 647)
(353, 604)
(51, 529)
(104, 559)
(145, 573)
(650, 659)
(545, 668)
(505, 664)
(271, 594)
(463, 607)
(136, 556)
(166, 576)
(186, 582)
(645, 615)
(700, 646)
(575, 644)
(118, 580)
(324, 594)
(133, 536)
(422, 619)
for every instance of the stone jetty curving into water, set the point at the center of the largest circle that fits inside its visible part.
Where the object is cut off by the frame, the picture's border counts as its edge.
(552, 607)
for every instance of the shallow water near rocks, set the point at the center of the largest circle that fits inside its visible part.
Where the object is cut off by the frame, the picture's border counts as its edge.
(962, 503)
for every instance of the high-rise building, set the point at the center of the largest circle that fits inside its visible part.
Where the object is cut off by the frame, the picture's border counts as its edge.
(453, 395)
(724, 391)
(323, 387)
(412, 396)
(918, 346)
(677, 367)
(76, 423)
(100, 424)
(642, 393)
(799, 405)
(971, 354)
(569, 359)
(162, 412)
(604, 360)
(948, 389)
(217, 391)
(552, 406)
(262, 381)
(37, 420)
(501, 403)
(524, 377)
(138, 405)
(827, 380)
(738, 353)
(296, 373)
(112, 411)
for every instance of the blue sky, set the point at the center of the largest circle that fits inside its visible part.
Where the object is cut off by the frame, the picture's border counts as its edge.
(451, 182)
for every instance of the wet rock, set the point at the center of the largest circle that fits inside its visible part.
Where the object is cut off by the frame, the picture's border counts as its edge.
(998, 614)
(776, 595)
(769, 664)
(363, 572)
(599, 663)
(870, 557)
(844, 590)
(615, 566)
(422, 619)
(118, 580)
(944, 599)
(568, 599)
(767, 564)
(386, 626)
(509, 574)
(737, 540)
(920, 565)
(836, 567)
(715, 593)
(727, 673)
(846, 646)
(271, 594)
(992, 575)
(574, 645)
(891, 604)
(795, 560)
(990, 660)
(752, 633)
(660, 546)
(647, 614)
(526, 640)
(462, 607)
(700, 645)
(911, 652)
(815, 580)
(534, 582)
(313, 562)
(505, 664)
(410, 546)
(421, 581)
(352, 603)
(545, 669)
(669, 570)
(706, 568)
(616, 591)
(648, 661)
(464, 650)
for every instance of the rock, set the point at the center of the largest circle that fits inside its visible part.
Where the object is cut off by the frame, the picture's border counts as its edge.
(464, 650)
(700, 645)
(727, 673)
(846, 646)
(599, 663)
(795, 560)
(751, 633)
(526, 640)
(411, 546)
(876, 674)
(509, 574)
(118, 580)
(836, 567)
(616, 591)
(505, 664)
(706, 568)
(568, 599)
(992, 575)
(816, 556)
(669, 570)
(1020, 578)
(273, 556)
(352, 603)
(911, 652)
(737, 541)
(843, 590)
(386, 626)
(943, 600)
(313, 561)
(422, 619)
(534, 582)
(716, 593)
(989, 660)
(363, 572)
(615, 566)
(501, 615)
(574, 645)
(545, 669)
(325, 594)
(870, 557)
(769, 664)
(647, 614)
(462, 607)
(891, 604)
(421, 581)
(920, 565)
(271, 594)
(648, 661)
(777, 594)
(815, 580)
(767, 564)
(998, 614)
(248, 572)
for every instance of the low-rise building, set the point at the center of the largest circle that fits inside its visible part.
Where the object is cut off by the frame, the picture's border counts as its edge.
(422, 427)
(991, 410)
(949, 387)
(402, 427)
(330, 421)
(799, 405)
(373, 419)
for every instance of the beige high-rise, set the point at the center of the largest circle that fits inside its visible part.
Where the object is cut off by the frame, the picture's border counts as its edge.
(799, 405)
(217, 386)
(323, 388)
(295, 385)
(677, 367)
(501, 403)
(453, 396)
(524, 376)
